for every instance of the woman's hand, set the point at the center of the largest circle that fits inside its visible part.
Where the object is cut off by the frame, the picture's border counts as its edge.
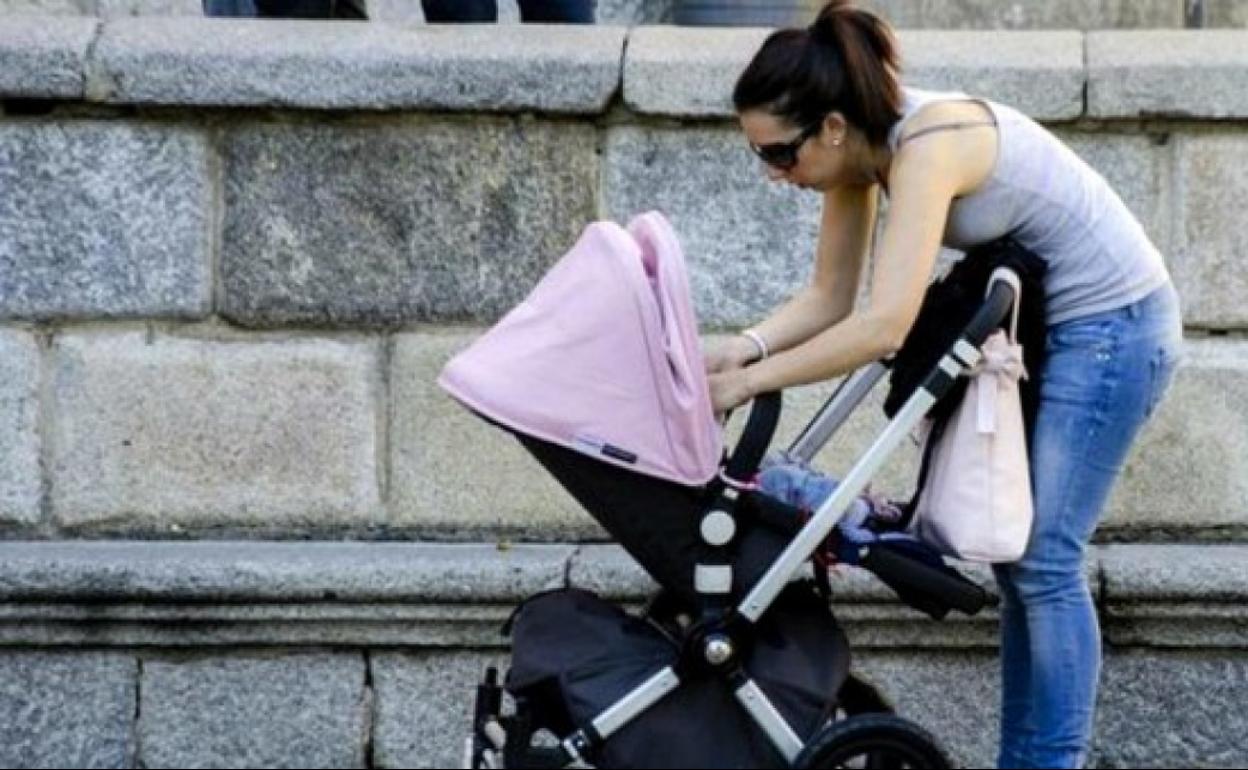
(730, 389)
(729, 354)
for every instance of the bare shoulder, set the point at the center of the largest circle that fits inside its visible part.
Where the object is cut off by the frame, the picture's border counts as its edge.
(958, 138)
(948, 111)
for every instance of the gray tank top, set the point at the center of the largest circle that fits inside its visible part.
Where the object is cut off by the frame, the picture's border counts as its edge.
(1099, 257)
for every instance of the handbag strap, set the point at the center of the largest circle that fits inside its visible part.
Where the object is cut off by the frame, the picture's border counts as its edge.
(925, 464)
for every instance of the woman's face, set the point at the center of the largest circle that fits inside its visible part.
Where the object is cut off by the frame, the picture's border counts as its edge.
(819, 162)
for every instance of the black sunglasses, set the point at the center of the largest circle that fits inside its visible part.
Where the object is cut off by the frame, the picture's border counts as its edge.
(783, 155)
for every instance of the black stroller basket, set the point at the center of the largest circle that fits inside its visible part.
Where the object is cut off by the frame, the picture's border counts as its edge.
(734, 636)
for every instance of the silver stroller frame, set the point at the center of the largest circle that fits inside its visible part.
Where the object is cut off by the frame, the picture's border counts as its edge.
(716, 643)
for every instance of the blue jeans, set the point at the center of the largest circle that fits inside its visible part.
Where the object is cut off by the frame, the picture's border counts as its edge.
(1103, 378)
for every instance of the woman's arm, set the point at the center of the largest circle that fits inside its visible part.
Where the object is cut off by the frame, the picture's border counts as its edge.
(845, 227)
(924, 178)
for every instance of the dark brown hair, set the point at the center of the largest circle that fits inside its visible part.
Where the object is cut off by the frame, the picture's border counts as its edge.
(845, 61)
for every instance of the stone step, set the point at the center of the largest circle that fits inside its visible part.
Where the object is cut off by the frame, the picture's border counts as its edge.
(190, 594)
(319, 654)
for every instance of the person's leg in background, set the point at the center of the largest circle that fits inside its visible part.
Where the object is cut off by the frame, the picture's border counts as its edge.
(234, 8)
(557, 11)
(1104, 377)
(295, 9)
(460, 11)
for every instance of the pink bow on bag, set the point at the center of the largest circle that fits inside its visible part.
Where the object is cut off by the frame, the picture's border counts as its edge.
(1001, 368)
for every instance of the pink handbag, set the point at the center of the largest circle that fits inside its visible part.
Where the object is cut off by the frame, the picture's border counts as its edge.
(976, 503)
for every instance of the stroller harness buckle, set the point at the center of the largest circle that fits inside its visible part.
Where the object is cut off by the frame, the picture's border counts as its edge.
(734, 484)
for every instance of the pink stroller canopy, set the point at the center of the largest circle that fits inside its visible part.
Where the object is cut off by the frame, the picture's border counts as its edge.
(603, 357)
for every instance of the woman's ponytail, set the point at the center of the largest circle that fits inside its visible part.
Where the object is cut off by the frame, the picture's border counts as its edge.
(846, 61)
(872, 65)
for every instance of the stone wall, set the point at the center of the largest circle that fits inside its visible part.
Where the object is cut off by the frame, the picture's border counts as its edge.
(214, 230)
(234, 255)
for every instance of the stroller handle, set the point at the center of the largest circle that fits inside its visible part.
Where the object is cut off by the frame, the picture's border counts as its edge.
(1003, 289)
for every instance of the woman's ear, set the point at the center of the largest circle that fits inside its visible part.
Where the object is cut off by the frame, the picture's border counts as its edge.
(835, 127)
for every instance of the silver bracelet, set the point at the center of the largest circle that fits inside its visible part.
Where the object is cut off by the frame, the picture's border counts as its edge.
(758, 341)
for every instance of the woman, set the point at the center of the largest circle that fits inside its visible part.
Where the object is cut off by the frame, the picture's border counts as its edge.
(824, 110)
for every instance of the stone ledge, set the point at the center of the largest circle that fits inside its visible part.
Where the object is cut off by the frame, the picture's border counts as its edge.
(1200, 74)
(42, 58)
(573, 69)
(1041, 74)
(1049, 14)
(691, 72)
(1202, 573)
(267, 624)
(686, 71)
(325, 65)
(1176, 595)
(203, 572)
(209, 594)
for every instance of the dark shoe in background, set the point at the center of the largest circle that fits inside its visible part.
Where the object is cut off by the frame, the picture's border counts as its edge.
(286, 9)
(308, 9)
(486, 11)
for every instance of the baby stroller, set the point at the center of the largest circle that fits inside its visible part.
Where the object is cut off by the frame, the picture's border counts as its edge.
(738, 661)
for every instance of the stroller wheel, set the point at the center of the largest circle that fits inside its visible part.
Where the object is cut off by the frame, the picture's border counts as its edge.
(872, 741)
